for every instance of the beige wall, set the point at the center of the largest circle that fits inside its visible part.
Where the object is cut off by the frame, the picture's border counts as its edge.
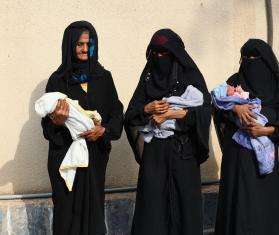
(30, 41)
(276, 26)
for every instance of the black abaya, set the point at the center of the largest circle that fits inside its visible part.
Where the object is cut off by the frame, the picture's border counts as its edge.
(249, 203)
(169, 186)
(169, 191)
(81, 211)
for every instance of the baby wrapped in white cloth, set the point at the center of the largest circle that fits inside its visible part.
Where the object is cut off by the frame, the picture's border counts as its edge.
(79, 121)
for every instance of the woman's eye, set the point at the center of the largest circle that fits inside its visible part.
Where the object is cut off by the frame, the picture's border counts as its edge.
(254, 57)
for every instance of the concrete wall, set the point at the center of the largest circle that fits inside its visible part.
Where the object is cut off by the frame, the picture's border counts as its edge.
(30, 41)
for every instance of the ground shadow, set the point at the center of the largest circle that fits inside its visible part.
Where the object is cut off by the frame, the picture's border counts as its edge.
(27, 172)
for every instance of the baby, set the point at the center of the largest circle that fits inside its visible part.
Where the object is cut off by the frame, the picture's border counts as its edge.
(237, 92)
(225, 97)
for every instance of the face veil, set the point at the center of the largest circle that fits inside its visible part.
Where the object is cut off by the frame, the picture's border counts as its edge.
(160, 69)
(165, 69)
(259, 74)
(168, 74)
(259, 70)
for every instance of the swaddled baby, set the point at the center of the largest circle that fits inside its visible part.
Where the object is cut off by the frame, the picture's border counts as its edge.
(226, 97)
(192, 97)
(79, 121)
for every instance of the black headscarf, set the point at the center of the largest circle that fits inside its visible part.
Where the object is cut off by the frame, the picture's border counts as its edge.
(260, 76)
(163, 70)
(163, 78)
(71, 67)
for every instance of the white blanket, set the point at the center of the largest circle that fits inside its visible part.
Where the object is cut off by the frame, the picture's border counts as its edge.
(79, 120)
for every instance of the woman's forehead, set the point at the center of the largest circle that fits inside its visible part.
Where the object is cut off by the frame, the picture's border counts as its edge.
(84, 37)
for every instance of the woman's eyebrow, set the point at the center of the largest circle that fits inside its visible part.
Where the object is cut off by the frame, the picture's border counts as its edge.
(82, 42)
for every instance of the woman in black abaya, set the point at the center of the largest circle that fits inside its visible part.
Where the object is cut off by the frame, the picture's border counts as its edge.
(248, 202)
(82, 78)
(169, 186)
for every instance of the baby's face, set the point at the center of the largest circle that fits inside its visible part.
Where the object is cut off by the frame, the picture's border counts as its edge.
(238, 89)
(230, 90)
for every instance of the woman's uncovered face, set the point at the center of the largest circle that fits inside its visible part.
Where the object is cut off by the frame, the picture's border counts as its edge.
(82, 47)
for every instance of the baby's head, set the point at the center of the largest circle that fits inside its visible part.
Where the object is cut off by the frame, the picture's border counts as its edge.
(237, 91)
(231, 90)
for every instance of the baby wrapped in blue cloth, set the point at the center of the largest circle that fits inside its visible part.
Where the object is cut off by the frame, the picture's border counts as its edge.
(192, 97)
(225, 97)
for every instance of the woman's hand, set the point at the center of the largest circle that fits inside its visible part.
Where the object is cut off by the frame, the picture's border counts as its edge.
(244, 113)
(256, 130)
(158, 119)
(96, 123)
(156, 107)
(61, 112)
(93, 134)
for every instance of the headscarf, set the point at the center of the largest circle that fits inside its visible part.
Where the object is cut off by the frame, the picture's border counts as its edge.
(163, 69)
(71, 68)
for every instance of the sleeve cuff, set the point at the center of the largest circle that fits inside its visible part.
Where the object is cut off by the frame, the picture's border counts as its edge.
(188, 120)
(275, 136)
(145, 117)
(52, 132)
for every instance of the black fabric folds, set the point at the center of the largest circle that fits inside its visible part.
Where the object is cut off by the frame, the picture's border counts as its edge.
(155, 84)
(70, 38)
(158, 86)
(169, 185)
(260, 76)
(248, 202)
(81, 211)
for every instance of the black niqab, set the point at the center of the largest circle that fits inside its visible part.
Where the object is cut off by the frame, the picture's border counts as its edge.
(248, 202)
(163, 70)
(159, 84)
(260, 73)
(260, 76)
(176, 77)
(164, 198)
